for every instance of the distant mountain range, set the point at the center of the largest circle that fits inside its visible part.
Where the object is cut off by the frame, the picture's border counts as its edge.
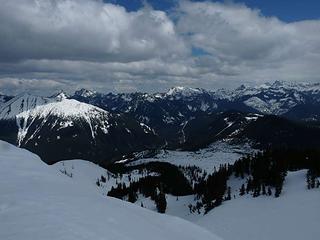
(104, 128)
(279, 98)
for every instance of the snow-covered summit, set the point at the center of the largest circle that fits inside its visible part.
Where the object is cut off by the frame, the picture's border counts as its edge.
(184, 91)
(60, 95)
(27, 105)
(278, 97)
(85, 93)
(25, 109)
(66, 108)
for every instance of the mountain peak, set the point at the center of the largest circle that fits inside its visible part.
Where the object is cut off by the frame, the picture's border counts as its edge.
(241, 87)
(185, 91)
(278, 84)
(84, 92)
(59, 96)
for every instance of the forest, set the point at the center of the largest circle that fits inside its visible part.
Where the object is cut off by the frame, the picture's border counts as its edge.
(262, 173)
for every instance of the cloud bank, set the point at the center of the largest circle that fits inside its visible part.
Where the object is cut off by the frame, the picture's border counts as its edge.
(66, 44)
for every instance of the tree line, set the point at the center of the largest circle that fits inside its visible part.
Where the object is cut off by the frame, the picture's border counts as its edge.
(263, 173)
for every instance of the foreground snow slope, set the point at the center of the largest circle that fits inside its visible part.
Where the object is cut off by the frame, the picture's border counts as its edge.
(294, 215)
(38, 203)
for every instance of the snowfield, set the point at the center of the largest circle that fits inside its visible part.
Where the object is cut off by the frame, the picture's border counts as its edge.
(295, 215)
(39, 202)
(62, 201)
(207, 159)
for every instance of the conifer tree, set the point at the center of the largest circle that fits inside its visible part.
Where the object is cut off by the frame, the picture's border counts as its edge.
(242, 190)
(264, 189)
(98, 183)
(132, 196)
(161, 202)
(229, 194)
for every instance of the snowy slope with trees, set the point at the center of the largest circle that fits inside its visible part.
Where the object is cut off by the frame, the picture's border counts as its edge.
(294, 215)
(37, 202)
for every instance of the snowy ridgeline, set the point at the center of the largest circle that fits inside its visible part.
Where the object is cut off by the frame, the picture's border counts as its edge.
(39, 202)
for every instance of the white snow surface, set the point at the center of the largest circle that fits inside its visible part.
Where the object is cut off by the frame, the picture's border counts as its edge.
(21, 103)
(65, 108)
(207, 159)
(183, 91)
(25, 109)
(294, 215)
(37, 202)
(87, 173)
(35, 106)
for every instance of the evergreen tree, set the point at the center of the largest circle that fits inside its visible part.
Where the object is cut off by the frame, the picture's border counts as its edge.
(161, 202)
(132, 196)
(242, 190)
(249, 185)
(277, 191)
(308, 180)
(98, 183)
(228, 194)
(103, 179)
(264, 189)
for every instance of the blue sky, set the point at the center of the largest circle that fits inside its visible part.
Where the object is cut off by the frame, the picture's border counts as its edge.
(286, 10)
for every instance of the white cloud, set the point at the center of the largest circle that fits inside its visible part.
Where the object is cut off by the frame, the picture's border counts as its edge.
(87, 43)
(243, 42)
(84, 30)
(14, 86)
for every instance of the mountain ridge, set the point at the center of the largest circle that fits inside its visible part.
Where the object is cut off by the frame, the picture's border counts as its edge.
(58, 129)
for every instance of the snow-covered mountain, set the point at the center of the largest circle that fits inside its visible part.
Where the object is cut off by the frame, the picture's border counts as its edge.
(58, 128)
(278, 98)
(38, 202)
(4, 98)
(168, 113)
(261, 130)
(104, 127)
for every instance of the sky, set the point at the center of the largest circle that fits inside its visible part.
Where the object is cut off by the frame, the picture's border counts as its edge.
(152, 45)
